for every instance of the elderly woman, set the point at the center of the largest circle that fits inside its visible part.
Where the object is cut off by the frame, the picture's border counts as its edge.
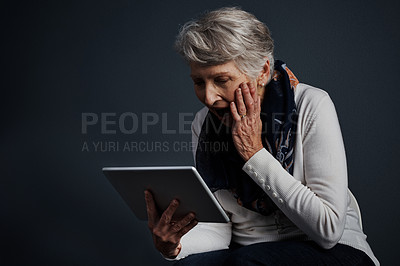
(282, 179)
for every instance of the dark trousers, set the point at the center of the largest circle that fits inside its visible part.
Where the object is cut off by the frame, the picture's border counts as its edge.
(280, 253)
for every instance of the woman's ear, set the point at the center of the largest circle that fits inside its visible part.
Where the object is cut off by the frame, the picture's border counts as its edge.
(264, 75)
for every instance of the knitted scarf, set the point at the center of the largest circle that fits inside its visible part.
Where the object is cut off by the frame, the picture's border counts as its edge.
(218, 161)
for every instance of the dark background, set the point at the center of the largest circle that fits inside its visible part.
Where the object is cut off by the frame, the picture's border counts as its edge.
(63, 59)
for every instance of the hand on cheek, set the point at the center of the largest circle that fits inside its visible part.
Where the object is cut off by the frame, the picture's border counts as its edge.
(247, 126)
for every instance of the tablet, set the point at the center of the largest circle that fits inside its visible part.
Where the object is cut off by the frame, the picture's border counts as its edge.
(166, 183)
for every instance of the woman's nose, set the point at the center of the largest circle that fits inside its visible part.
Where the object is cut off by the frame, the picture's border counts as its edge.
(210, 96)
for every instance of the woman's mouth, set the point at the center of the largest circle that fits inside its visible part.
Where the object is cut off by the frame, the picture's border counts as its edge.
(224, 115)
(221, 112)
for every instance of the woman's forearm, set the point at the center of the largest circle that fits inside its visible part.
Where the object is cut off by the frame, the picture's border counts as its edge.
(317, 207)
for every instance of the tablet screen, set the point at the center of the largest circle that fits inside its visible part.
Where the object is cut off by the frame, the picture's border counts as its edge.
(166, 183)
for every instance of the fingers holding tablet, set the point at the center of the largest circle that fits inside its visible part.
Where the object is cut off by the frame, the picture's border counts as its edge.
(167, 230)
(186, 223)
(152, 213)
(166, 217)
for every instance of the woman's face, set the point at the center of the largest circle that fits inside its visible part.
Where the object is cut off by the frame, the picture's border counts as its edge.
(215, 86)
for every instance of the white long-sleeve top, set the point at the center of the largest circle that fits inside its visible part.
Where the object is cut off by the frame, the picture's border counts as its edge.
(314, 202)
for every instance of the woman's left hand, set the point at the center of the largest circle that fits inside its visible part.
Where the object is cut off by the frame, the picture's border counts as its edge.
(246, 126)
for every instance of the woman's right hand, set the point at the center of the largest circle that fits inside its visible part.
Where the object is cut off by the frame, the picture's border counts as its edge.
(167, 233)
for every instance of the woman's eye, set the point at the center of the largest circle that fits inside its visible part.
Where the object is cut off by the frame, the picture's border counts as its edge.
(222, 80)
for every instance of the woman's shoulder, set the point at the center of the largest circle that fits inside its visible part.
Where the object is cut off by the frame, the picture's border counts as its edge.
(200, 115)
(199, 119)
(315, 108)
(310, 99)
(308, 93)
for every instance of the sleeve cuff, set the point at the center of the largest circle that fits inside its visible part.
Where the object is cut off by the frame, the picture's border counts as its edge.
(168, 259)
(269, 174)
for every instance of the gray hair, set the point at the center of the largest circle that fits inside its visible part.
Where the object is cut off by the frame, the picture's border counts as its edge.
(227, 34)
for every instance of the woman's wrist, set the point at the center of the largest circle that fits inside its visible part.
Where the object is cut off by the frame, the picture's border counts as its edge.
(173, 254)
(246, 156)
